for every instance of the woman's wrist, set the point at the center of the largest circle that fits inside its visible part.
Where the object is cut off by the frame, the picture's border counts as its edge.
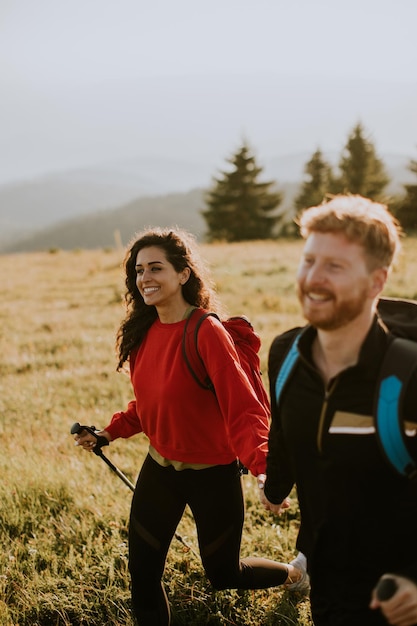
(105, 434)
(261, 478)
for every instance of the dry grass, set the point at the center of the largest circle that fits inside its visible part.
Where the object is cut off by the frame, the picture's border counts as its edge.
(63, 515)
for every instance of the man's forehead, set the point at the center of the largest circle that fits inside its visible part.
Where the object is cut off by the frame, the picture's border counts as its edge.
(329, 240)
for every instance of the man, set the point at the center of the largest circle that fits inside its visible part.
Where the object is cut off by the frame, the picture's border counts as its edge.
(358, 517)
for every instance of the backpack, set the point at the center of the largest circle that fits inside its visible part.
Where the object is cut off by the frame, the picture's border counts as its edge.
(399, 363)
(247, 344)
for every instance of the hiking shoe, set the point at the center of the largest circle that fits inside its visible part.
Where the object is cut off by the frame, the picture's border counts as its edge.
(302, 586)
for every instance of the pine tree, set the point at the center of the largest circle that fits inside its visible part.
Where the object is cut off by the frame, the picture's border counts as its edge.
(406, 212)
(239, 207)
(361, 171)
(317, 182)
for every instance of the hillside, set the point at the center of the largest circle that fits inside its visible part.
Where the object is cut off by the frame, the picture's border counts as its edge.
(30, 206)
(84, 209)
(101, 228)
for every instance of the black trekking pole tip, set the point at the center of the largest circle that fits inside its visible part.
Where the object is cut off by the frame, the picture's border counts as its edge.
(386, 588)
(75, 428)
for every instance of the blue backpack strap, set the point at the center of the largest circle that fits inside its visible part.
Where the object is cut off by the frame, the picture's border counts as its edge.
(397, 368)
(286, 368)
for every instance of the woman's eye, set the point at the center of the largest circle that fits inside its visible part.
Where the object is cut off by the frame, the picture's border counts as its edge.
(153, 269)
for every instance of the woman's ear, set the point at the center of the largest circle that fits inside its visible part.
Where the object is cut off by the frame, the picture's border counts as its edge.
(185, 275)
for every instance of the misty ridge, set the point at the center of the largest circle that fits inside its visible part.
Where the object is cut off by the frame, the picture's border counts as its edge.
(90, 207)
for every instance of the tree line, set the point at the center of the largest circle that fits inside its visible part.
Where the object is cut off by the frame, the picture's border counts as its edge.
(240, 207)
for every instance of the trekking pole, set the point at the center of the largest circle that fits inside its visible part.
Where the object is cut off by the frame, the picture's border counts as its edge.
(102, 441)
(386, 588)
(76, 428)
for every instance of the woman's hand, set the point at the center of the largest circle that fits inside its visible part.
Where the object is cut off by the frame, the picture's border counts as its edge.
(88, 441)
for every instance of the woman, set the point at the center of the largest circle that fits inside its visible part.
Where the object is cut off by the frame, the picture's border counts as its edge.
(195, 436)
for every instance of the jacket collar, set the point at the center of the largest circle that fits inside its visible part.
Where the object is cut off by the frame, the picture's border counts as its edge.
(371, 352)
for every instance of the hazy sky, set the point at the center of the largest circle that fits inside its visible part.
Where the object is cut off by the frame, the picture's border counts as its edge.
(90, 81)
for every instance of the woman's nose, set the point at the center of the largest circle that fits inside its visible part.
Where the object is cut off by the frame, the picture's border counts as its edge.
(146, 274)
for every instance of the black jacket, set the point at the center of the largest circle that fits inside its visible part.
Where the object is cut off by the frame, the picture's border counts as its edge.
(359, 518)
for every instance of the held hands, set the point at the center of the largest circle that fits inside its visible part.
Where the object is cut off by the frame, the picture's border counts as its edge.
(276, 509)
(401, 608)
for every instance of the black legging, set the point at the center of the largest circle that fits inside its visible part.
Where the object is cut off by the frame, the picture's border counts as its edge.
(215, 498)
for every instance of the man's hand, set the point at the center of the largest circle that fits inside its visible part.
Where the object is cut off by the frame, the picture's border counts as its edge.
(276, 509)
(401, 608)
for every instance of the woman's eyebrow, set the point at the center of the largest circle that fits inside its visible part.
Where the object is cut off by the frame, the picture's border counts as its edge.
(150, 263)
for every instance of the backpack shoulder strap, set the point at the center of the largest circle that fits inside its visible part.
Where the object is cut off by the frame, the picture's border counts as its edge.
(397, 368)
(286, 367)
(190, 347)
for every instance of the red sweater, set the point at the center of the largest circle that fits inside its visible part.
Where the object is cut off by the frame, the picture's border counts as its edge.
(183, 421)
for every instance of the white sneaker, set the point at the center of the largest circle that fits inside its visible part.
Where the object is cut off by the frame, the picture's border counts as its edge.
(302, 586)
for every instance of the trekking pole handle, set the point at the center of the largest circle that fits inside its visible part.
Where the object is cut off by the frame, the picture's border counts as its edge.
(101, 441)
(386, 588)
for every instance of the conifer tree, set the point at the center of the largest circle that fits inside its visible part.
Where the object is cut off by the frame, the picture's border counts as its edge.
(317, 182)
(406, 212)
(361, 171)
(239, 206)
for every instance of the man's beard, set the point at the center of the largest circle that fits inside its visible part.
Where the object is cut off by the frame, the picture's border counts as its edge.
(338, 314)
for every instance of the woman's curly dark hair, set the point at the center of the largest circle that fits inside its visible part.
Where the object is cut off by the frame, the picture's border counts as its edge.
(181, 251)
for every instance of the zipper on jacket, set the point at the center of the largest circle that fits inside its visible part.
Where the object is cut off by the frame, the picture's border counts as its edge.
(328, 392)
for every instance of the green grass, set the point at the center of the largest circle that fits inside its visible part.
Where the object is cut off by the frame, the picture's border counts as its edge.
(63, 514)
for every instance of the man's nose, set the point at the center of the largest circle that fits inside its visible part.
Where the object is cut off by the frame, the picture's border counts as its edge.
(315, 274)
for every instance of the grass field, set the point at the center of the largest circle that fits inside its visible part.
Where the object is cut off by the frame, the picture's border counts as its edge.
(63, 514)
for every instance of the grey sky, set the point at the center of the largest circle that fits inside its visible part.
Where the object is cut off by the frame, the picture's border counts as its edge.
(88, 81)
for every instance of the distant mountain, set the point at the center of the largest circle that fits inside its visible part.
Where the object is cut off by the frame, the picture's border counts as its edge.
(31, 206)
(103, 229)
(84, 208)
